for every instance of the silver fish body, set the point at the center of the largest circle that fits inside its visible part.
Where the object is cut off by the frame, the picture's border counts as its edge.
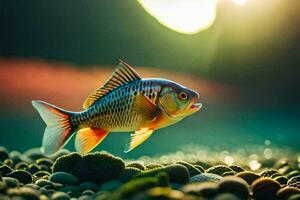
(114, 110)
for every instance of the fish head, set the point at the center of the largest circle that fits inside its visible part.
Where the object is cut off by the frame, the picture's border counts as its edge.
(178, 101)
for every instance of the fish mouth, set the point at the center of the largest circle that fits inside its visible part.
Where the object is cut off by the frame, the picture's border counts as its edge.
(196, 106)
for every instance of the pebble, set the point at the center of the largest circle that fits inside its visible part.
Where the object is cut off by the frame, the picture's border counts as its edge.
(64, 178)
(206, 177)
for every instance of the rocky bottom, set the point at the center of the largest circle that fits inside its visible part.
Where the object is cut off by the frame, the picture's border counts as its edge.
(101, 175)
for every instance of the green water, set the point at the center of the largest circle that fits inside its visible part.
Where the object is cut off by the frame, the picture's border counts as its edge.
(216, 126)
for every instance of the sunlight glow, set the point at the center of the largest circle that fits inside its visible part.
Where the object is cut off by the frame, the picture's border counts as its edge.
(229, 160)
(240, 2)
(183, 16)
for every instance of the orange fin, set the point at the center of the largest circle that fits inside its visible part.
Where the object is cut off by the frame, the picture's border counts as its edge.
(88, 138)
(123, 74)
(144, 106)
(59, 127)
(137, 138)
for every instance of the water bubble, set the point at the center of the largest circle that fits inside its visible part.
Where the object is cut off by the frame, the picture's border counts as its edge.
(254, 165)
(268, 153)
(253, 157)
(224, 153)
(164, 160)
(267, 142)
(229, 160)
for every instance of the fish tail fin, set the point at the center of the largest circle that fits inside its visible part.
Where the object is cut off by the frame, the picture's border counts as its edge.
(59, 127)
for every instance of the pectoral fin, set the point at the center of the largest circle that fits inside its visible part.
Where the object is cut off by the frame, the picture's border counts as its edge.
(137, 138)
(88, 138)
(145, 107)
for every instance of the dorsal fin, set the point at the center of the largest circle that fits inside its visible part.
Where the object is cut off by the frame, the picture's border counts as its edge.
(123, 74)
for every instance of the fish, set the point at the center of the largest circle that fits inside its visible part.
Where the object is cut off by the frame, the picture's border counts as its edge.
(124, 103)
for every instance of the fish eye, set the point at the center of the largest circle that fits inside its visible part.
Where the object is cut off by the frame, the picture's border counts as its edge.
(182, 96)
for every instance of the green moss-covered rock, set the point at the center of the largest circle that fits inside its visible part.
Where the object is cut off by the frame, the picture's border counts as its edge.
(60, 196)
(248, 176)
(231, 173)
(128, 173)
(138, 185)
(136, 165)
(177, 173)
(88, 186)
(164, 193)
(11, 182)
(273, 176)
(206, 177)
(23, 176)
(21, 166)
(4, 197)
(296, 185)
(3, 155)
(281, 179)
(47, 192)
(293, 180)
(98, 167)
(5, 169)
(3, 186)
(235, 185)
(192, 169)
(268, 173)
(10, 162)
(66, 163)
(200, 168)
(204, 165)
(294, 197)
(111, 185)
(265, 188)
(227, 196)
(285, 170)
(219, 169)
(88, 193)
(153, 166)
(60, 153)
(41, 174)
(287, 192)
(293, 174)
(236, 168)
(34, 153)
(33, 168)
(29, 193)
(64, 178)
(73, 191)
(44, 183)
(45, 162)
(13, 192)
(32, 185)
(206, 190)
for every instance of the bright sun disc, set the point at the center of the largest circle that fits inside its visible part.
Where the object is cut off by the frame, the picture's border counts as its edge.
(184, 16)
(188, 16)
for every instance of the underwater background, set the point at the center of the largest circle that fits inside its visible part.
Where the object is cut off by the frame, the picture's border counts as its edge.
(245, 66)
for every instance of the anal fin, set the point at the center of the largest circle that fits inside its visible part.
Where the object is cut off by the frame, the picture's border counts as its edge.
(137, 138)
(88, 138)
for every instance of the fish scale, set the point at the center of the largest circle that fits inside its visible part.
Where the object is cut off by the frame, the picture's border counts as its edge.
(115, 109)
